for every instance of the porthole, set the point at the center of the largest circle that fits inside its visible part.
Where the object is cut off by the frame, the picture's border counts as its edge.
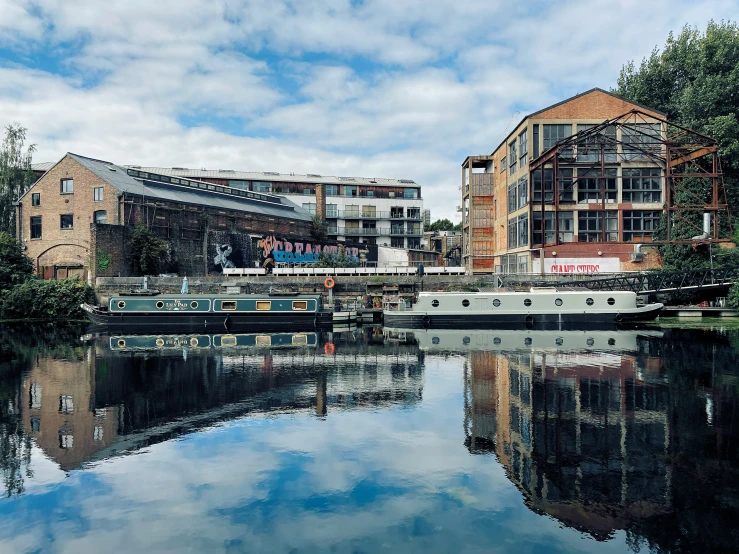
(589, 301)
(160, 305)
(496, 340)
(527, 302)
(466, 340)
(527, 341)
(160, 342)
(465, 303)
(194, 341)
(559, 341)
(496, 303)
(435, 340)
(558, 302)
(611, 301)
(121, 304)
(435, 303)
(590, 342)
(121, 343)
(194, 305)
(611, 342)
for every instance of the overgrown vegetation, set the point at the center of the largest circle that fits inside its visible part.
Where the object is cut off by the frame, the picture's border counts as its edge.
(15, 173)
(694, 80)
(318, 228)
(444, 225)
(149, 253)
(336, 260)
(15, 267)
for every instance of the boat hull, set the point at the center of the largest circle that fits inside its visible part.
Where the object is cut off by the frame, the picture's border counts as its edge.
(422, 320)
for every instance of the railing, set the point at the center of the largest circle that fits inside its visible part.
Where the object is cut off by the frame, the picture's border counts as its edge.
(353, 214)
(374, 231)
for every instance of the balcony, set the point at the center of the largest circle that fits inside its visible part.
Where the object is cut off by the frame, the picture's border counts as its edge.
(397, 231)
(359, 232)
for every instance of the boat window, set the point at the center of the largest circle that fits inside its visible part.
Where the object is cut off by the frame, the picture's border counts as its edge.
(300, 339)
(121, 304)
(435, 303)
(496, 302)
(160, 342)
(264, 305)
(527, 341)
(194, 341)
(611, 301)
(496, 340)
(435, 340)
(160, 305)
(590, 342)
(194, 305)
(466, 340)
(558, 301)
(611, 342)
(228, 305)
(263, 340)
(121, 343)
(589, 301)
(527, 302)
(465, 302)
(300, 305)
(558, 341)
(228, 341)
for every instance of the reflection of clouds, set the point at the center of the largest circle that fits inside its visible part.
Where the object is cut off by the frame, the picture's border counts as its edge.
(357, 480)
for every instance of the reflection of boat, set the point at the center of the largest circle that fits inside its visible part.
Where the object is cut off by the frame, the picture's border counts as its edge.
(536, 308)
(500, 339)
(129, 343)
(213, 311)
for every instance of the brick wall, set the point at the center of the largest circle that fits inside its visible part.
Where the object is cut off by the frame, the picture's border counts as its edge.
(594, 105)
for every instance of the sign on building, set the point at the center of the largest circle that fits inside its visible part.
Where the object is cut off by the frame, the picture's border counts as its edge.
(578, 265)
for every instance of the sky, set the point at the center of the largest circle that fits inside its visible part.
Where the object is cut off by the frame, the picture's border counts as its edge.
(402, 89)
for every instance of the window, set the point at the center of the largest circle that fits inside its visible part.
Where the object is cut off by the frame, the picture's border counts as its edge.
(466, 303)
(370, 211)
(642, 185)
(512, 198)
(518, 231)
(523, 192)
(35, 396)
(66, 404)
(589, 301)
(332, 228)
(350, 190)
(410, 194)
(264, 305)
(566, 227)
(396, 242)
(640, 225)
(565, 185)
(66, 221)
(66, 441)
(241, 185)
(523, 148)
(548, 227)
(611, 301)
(101, 216)
(332, 190)
(35, 199)
(527, 302)
(351, 210)
(67, 186)
(306, 191)
(640, 140)
(97, 194)
(435, 303)
(97, 433)
(370, 194)
(589, 186)
(518, 193)
(558, 302)
(590, 225)
(496, 303)
(555, 133)
(588, 149)
(228, 305)
(310, 207)
(536, 141)
(36, 228)
(300, 305)
(512, 157)
(261, 186)
(331, 210)
(503, 165)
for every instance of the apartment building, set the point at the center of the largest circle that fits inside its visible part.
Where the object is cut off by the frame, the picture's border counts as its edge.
(610, 191)
(385, 212)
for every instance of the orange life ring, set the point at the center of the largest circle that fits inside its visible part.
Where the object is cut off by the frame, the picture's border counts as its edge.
(329, 283)
(329, 348)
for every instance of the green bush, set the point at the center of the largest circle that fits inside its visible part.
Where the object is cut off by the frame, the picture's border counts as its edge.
(734, 296)
(15, 266)
(46, 300)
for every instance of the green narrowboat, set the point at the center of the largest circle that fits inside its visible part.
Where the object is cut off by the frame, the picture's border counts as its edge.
(148, 343)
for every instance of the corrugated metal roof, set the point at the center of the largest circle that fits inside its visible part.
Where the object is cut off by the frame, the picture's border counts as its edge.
(271, 176)
(121, 180)
(43, 166)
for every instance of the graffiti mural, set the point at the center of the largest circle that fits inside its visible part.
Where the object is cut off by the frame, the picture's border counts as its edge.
(299, 252)
(229, 250)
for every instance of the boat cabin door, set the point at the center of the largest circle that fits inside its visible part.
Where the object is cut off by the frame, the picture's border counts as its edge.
(479, 304)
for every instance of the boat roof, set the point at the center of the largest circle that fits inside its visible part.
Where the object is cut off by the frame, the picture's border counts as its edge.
(532, 291)
(223, 296)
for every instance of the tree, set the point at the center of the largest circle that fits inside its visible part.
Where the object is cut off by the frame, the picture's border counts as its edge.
(318, 228)
(694, 80)
(15, 173)
(149, 253)
(443, 225)
(15, 266)
(326, 259)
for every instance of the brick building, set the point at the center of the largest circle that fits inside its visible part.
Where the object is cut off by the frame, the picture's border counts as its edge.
(79, 216)
(610, 191)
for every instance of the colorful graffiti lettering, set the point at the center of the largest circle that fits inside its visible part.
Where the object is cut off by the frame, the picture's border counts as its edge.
(284, 251)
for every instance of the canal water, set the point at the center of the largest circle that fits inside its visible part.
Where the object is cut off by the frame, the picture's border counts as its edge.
(370, 440)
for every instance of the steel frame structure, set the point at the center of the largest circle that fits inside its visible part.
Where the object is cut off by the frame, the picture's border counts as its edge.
(679, 152)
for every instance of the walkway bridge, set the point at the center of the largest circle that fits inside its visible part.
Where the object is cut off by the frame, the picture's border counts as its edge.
(669, 281)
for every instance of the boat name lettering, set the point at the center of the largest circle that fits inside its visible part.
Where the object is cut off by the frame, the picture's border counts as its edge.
(176, 305)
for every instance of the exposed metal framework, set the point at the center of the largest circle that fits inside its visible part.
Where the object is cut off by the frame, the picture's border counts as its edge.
(637, 136)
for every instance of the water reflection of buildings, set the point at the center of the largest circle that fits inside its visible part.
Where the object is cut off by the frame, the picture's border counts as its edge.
(119, 398)
(583, 432)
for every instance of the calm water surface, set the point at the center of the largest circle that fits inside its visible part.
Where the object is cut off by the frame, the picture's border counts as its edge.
(370, 441)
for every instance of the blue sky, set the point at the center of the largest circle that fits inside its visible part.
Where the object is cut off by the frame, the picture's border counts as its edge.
(386, 88)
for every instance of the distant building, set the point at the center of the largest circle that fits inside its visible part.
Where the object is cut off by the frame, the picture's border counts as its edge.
(426, 218)
(387, 212)
(446, 243)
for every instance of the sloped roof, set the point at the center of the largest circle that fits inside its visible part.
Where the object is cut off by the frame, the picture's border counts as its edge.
(43, 166)
(118, 177)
